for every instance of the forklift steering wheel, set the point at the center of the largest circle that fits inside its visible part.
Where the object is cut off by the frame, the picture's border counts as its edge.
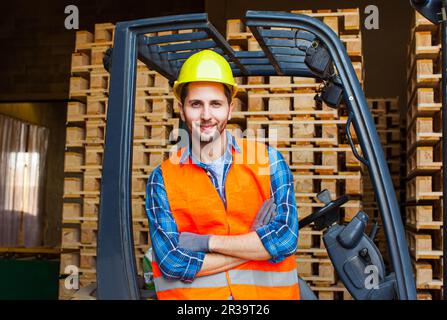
(326, 216)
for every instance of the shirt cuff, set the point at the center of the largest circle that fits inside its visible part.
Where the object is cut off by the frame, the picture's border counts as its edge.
(267, 238)
(196, 262)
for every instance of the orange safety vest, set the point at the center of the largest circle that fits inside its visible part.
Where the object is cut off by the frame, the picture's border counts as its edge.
(197, 207)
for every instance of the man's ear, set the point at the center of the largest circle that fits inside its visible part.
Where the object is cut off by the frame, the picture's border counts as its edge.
(180, 107)
(231, 109)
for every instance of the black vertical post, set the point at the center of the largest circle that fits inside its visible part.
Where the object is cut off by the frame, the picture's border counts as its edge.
(116, 268)
(444, 143)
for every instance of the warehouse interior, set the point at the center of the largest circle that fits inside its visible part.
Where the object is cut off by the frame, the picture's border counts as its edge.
(44, 88)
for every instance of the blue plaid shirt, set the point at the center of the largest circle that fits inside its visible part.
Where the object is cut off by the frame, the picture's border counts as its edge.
(279, 237)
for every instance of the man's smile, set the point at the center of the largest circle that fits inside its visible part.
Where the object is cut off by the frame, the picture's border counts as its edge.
(206, 127)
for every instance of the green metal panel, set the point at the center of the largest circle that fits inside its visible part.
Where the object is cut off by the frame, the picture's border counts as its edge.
(29, 279)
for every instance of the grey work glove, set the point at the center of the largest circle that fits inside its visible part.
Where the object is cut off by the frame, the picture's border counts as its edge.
(194, 241)
(266, 214)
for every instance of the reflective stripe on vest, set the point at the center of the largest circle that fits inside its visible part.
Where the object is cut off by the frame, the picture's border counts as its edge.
(263, 278)
(212, 281)
(245, 277)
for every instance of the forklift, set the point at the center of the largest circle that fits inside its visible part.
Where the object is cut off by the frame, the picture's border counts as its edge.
(292, 45)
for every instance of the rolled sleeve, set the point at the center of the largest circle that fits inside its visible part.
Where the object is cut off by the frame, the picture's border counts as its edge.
(174, 262)
(280, 236)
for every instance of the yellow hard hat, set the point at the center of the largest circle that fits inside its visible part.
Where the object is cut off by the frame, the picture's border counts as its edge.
(205, 65)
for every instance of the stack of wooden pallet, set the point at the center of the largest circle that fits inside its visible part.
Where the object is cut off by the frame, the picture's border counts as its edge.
(391, 130)
(283, 112)
(86, 123)
(424, 156)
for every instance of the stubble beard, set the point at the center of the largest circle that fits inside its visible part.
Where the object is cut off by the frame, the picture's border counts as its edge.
(206, 142)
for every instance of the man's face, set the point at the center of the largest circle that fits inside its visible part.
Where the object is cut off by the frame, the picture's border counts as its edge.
(206, 110)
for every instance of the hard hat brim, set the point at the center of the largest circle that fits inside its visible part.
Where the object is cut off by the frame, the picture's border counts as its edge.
(177, 88)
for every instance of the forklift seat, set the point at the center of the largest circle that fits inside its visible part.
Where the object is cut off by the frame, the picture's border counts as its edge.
(305, 292)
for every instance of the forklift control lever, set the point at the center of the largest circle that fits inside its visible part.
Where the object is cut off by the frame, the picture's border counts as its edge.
(326, 216)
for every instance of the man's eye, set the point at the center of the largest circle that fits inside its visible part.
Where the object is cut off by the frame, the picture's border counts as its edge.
(217, 104)
(195, 104)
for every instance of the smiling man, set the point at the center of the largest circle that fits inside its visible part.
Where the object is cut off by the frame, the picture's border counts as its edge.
(223, 220)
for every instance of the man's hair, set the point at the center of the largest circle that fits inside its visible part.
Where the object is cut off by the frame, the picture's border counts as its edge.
(184, 93)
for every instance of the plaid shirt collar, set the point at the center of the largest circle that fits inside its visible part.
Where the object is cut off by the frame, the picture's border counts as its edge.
(232, 144)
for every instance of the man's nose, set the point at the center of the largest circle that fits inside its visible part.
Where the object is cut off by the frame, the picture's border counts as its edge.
(206, 114)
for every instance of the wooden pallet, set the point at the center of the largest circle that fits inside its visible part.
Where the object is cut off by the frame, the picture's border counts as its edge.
(424, 160)
(86, 210)
(424, 102)
(341, 21)
(83, 234)
(424, 132)
(315, 269)
(312, 183)
(335, 292)
(425, 278)
(420, 23)
(300, 102)
(150, 108)
(423, 217)
(302, 129)
(424, 73)
(421, 188)
(425, 245)
(425, 44)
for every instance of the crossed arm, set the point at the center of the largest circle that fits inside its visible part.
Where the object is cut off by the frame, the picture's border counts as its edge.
(226, 252)
(231, 251)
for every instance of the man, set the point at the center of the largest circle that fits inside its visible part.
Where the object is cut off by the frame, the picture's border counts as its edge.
(223, 224)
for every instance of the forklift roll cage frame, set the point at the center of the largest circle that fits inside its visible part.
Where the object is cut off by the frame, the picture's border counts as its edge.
(282, 55)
